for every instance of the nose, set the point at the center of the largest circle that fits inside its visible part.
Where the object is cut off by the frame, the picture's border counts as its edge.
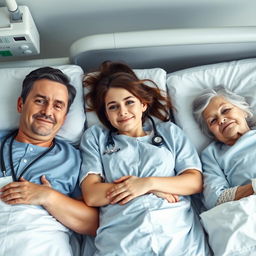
(123, 111)
(47, 110)
(222, 120)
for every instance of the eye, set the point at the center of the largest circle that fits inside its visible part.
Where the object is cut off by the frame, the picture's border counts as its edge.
(129, 102)
(58, 106)
(212, 121)
(225, 110)
(112, 107)
(40, 101)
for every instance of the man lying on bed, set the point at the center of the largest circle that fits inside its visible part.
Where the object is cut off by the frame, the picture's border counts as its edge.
(39, 173)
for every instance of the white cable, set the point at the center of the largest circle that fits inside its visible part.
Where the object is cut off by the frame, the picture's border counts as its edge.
(11, 5)
(15, 14)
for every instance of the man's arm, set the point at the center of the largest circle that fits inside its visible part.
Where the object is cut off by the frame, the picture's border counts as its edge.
(74, 214)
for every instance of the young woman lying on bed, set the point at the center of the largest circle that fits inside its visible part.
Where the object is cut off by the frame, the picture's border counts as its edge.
(132, 162)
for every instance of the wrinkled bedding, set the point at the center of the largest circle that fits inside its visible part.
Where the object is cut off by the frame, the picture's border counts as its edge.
(231, 227)
(30, 230)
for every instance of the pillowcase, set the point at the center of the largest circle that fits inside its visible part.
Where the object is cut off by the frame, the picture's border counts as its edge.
(231, 227)
(11, 85)
(157, 75)
(183, 86)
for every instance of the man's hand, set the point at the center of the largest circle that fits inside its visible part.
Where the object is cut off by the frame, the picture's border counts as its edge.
(25, 192)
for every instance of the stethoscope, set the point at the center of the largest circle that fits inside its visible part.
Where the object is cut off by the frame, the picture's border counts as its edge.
(157, 140)
(3, 167)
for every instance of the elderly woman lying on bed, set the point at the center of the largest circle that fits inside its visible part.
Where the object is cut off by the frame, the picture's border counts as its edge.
(229, 161)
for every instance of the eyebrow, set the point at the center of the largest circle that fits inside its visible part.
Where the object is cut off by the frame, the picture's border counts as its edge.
(112, 102)
(220, 106)
(40, 96)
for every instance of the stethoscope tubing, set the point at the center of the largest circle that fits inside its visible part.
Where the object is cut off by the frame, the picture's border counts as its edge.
(157, 140)
(3, 166)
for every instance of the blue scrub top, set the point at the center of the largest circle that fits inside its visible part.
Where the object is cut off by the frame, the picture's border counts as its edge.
(61, 165)
(147, 225)
(228, 166)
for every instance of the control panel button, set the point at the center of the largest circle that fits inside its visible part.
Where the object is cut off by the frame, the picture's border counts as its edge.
(24, 47)
(27, 52)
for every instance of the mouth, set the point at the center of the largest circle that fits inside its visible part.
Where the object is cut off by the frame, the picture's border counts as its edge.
(227, 125)
(43, 120)
(125, 120)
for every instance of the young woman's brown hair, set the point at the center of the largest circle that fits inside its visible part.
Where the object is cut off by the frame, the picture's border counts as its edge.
(120, 75)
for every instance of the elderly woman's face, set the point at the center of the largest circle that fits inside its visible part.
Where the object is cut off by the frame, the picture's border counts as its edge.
(226, 121)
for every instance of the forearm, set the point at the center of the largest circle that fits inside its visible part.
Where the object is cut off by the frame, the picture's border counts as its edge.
(95, 194)
(235, 193)
(73, 213)
(244, 191)
(188, 183)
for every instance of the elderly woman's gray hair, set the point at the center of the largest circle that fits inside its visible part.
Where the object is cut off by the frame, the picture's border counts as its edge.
(201, 102)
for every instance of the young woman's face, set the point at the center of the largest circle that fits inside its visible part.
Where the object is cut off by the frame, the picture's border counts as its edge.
(124, 111)
(226, 121)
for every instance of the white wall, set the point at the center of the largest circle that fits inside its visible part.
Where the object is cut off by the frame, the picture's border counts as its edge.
(61, 22)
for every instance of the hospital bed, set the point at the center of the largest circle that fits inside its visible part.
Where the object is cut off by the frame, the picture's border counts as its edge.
(182, 62)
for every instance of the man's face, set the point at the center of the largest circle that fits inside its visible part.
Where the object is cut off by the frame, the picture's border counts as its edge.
(44, 110)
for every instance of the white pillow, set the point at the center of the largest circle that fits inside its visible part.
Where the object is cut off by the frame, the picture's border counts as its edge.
(231, 227)
(11, 85)
(183, 86)
(157, 75)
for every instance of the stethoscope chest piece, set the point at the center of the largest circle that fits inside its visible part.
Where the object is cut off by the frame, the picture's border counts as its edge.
(110, 145)
(157, 140)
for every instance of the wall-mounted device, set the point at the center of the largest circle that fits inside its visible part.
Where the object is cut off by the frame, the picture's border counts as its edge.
(18, 33)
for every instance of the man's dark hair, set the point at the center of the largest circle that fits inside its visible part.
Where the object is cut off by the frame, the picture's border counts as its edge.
(49, 73)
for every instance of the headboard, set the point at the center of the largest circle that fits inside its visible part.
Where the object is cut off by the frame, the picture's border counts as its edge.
(172, 49)
(193, 58)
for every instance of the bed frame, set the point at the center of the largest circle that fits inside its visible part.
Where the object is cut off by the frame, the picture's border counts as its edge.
(172, 49)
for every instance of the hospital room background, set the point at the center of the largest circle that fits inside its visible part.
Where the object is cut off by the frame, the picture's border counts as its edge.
(183, 45)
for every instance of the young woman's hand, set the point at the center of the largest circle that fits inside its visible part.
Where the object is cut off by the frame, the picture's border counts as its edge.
(127, 188)
(171, 198)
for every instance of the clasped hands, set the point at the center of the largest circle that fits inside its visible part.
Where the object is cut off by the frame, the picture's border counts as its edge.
(25, 192)
(129, 187)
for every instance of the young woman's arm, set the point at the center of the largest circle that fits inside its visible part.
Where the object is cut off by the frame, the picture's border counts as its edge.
(95, 191)
(128, 187)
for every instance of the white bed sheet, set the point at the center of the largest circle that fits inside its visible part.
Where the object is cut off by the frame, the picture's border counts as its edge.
(30, 230)
(231, 227)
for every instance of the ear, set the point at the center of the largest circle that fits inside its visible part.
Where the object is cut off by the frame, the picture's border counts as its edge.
(19, 104)
(144, 107)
